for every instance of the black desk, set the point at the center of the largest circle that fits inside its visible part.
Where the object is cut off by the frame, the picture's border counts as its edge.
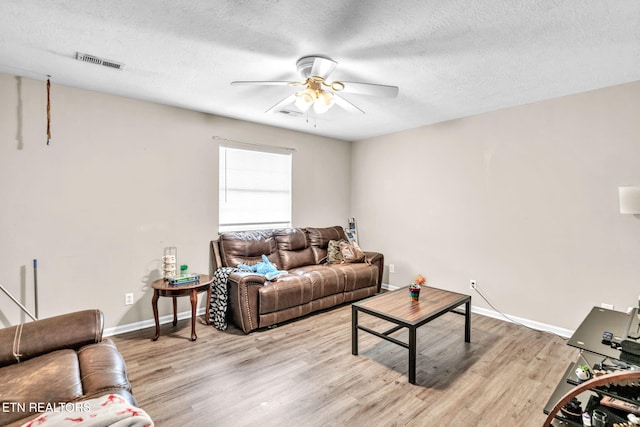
(588, 336)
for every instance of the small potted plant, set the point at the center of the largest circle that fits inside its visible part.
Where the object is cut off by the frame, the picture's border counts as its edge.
(414, 288)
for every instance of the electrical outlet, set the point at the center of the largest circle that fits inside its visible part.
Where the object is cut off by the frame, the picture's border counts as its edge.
(392, 268)
(128, 299)
(472, 284)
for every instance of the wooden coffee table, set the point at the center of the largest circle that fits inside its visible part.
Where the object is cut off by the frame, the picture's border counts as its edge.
(397, 307)
(162, 288)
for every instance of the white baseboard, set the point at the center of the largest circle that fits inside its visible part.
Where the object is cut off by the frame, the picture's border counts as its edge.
(565, 333)
(121, 329)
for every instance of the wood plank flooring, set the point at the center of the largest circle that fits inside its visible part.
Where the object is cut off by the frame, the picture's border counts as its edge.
(302, 373)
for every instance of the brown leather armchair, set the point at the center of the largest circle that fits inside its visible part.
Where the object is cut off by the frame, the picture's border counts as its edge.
(57, 360)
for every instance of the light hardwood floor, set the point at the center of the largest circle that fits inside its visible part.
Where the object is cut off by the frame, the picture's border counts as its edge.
(302, 373)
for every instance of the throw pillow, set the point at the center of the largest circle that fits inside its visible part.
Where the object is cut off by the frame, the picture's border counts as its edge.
(351, 252)
(334, 255)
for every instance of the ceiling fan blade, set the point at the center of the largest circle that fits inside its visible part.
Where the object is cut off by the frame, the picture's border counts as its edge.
(266, 83)
(370, 89)
(346, 105)
(288, 100)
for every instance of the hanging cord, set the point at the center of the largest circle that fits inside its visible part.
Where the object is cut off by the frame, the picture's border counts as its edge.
(515, 321)
(48, 111)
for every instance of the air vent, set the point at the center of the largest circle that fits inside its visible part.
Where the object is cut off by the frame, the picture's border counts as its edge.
(85, 57)
(292, 113)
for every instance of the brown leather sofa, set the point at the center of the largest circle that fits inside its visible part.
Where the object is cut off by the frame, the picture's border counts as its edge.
(57, 360)
(310, 285)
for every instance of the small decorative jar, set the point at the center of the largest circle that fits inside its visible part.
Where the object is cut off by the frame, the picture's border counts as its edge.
(170, 262)
(414, 291)
(414, 288)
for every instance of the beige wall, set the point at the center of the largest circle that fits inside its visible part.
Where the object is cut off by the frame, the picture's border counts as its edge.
(524, 200)
(122, 180)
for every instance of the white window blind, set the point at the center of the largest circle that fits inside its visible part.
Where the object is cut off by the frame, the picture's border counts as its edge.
(255, 189)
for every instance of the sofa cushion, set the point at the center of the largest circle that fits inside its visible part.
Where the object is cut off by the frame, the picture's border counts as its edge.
(293, 248)
(319, 239)
(320, 236)
(288, 291)
(324, 281)
(247, 247)
(357, 276)
(50, 378)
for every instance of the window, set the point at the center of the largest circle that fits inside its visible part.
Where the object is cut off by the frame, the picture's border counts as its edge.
(255, 188)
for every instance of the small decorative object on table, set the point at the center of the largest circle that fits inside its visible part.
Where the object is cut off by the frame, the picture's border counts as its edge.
(414, 288)
(169, 262)
(185, 279)
(573, 410)
(583, 372)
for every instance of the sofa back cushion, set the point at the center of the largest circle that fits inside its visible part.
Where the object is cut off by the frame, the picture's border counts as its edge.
(247, 247)
(294, 248)
(28, 340)
(319, 239)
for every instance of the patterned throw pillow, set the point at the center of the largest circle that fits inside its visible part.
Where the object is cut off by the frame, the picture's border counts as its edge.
(351, 252)
(334, 255)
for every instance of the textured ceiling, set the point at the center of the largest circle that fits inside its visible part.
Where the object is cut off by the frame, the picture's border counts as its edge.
(450, 58)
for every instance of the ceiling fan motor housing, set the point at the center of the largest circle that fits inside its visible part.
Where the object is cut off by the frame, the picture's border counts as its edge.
(315, 66)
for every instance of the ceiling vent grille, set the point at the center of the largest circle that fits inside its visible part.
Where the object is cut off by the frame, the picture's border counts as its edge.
(85, 57)
(292, 113)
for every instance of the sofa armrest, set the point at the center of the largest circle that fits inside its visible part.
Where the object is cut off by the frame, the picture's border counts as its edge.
(103, 369)
(243, 299)
(28, 340)
(376, 258)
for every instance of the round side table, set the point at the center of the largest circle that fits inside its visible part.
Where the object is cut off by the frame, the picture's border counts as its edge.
(162, 288)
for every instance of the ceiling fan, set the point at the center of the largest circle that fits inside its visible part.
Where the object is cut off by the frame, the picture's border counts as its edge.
(315, 91)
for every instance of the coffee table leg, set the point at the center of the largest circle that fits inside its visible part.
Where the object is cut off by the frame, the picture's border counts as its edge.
(354, 330)
(194, 302)
(154, 305)
(412, 355)
(467, 321)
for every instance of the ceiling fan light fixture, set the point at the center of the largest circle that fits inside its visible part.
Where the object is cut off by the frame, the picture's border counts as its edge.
(305, 99)
(324, 102)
